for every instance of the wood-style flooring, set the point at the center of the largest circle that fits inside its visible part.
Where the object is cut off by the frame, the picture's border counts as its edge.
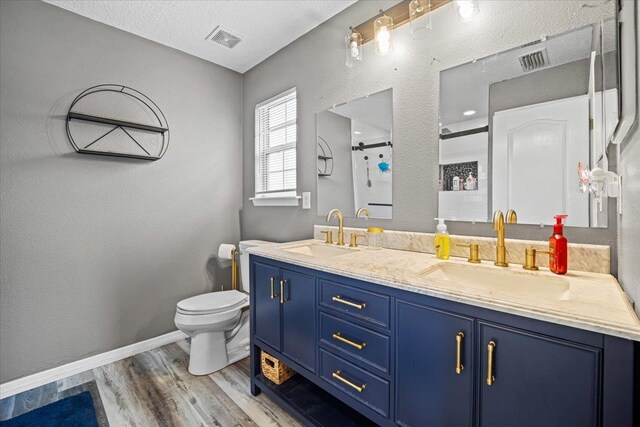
(155, 389)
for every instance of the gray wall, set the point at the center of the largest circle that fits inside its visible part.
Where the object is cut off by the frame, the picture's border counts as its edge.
(336, 191)
(322, 80)
(96, 251)
(629, 223)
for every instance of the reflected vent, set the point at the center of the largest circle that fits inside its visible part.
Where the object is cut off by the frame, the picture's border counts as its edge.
(224, 37)
(534, 60)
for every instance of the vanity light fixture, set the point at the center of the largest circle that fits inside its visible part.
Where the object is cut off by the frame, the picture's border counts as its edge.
(353, 47)
(466, 9)
(469, 113)
(382, 28)
(378, 28)
(420, 28)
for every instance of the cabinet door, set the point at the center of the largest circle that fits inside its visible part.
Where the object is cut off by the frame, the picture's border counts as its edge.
(537, 380)
(430, 391)
(267, 303)
(299, 318)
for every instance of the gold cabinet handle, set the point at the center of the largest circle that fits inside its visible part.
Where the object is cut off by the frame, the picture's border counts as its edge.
(338, 336)
(459, 366)
(339, 299)
(490, 347)
(273, 280)
(282, 283)
(358, 388)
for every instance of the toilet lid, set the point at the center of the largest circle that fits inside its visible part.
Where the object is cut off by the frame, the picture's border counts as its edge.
(213, 302)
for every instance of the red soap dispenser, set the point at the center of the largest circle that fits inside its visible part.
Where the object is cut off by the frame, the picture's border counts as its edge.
(558, 251)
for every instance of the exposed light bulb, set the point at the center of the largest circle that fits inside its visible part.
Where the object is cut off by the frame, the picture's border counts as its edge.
(382, 28)
(467, 9)
(353, 49)
(384, 40)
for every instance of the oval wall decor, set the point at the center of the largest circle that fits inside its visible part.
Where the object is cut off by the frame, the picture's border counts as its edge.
(116, 120)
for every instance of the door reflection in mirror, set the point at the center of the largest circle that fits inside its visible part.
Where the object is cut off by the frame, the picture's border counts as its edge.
(519, 122)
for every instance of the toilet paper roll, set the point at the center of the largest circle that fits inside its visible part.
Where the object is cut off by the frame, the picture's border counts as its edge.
(225, 251)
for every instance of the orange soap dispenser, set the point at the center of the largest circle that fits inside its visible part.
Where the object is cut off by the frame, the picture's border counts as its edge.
(558, 251)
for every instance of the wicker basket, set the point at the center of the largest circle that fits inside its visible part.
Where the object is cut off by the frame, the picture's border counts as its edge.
(274, 369)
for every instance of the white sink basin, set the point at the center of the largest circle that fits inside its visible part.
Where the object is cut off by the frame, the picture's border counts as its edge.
(318, 250)
(501, 283)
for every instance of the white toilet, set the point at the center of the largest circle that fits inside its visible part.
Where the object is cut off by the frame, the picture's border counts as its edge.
(218, 322)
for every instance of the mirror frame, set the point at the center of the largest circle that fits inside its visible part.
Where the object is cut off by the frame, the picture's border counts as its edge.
(627, 68)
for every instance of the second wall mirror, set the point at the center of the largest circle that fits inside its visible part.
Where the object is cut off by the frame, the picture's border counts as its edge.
(515, 125)
(355, 156)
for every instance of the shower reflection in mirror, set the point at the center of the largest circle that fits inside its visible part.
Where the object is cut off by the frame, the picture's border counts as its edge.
(355, 156)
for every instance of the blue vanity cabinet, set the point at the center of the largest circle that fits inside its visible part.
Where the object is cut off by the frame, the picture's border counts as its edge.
(369, 354)
(434, 367)
(299, 318)
(284, 311)
(536, 380)
(266, 303)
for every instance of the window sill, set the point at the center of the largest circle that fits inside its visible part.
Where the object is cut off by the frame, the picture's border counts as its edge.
(276, 201)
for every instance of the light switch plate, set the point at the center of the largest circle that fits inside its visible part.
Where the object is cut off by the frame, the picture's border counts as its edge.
(306, 200)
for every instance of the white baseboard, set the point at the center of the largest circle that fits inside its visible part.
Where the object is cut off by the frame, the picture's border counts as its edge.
(41, 378)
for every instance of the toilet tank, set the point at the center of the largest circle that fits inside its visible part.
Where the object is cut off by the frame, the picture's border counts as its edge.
(244, 261)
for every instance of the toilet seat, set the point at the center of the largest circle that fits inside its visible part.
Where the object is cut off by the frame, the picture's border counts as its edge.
(213, 302)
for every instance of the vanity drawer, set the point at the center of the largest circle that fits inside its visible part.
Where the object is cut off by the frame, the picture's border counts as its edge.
(358, 383)
(346, 338)
(364, 305)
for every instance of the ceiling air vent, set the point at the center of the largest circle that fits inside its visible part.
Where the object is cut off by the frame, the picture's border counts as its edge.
(534, 60)
(224, 37)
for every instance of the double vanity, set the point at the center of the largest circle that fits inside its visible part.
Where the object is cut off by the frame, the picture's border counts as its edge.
(395, 337)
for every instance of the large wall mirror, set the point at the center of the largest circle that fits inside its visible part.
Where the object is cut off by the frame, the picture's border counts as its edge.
(355, 156)
(515, 125)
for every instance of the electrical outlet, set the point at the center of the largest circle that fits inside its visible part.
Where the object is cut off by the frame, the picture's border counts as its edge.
(306, 200)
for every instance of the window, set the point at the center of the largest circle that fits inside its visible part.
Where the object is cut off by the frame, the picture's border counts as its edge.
(275, 161)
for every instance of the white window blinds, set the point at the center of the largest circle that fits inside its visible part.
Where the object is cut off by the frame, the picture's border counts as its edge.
(276, 136)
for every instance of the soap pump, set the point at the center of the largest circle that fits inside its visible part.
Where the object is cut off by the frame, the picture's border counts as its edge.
(442, 240)
(558, 250)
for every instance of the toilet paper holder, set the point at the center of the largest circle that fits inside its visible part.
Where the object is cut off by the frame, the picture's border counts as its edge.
(234, 269)
(230, 252)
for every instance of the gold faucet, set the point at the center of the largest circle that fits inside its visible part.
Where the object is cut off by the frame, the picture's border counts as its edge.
(362, 211)
(498, 226)
(340, 227)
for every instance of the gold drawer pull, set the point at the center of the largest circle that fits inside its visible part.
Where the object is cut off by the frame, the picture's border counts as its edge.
(282, 283)
(358, 388)
(490, 347)
(273, 280)
(339, 299)
(338, 336)
(459, 366)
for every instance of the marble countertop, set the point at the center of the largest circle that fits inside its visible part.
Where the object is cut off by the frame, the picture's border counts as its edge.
(590, 301)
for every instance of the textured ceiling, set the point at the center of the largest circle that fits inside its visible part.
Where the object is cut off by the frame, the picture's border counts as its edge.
(265, 26)
(466, 87)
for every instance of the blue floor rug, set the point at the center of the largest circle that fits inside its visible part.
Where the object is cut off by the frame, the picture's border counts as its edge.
(73, 411)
